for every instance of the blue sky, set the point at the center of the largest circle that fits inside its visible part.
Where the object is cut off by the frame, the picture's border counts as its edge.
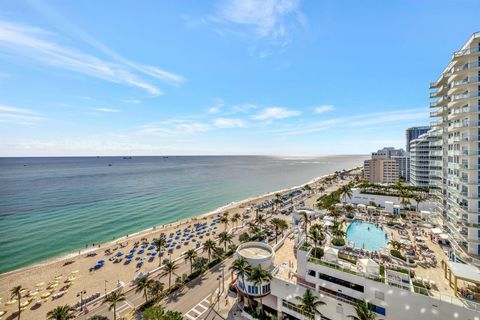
(220, 77)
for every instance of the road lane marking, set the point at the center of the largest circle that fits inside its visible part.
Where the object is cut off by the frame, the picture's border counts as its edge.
(199, 309)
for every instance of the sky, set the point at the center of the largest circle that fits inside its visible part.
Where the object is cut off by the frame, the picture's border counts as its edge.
(271, 77)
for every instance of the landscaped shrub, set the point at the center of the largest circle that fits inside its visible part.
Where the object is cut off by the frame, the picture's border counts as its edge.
(350, 215)
(317, 253)
(397, 254)
(339, 242)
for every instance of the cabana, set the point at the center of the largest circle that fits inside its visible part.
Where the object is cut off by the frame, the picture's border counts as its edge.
(330, 254)
(368, 266)
(454, 271)
(361, 207)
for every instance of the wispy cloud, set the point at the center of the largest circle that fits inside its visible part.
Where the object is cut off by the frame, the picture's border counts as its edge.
(361, 120)
(229, 123)
(14, 115)
(214, 110)
(265, 18)
(324, 108)
(272, 113)
(133, 101)
(243, 108)
(38, 44)
(110, 110)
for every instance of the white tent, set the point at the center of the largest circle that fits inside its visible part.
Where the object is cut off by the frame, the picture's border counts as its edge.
(330, 254)
(436, 230)
(361, 207)
(369, 266)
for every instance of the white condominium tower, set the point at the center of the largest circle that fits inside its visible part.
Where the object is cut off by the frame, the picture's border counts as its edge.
(456, 120)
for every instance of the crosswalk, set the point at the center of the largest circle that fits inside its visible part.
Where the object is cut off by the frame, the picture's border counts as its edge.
(198, 310)
(124, 307)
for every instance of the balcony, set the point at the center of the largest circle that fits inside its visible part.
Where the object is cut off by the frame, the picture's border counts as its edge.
(466, 52)
(463, 111)
(438, 113)
(466, 67)
(439, 102)
(466, 166)
(462, 96)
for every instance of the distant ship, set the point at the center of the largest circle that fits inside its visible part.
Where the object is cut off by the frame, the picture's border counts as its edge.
(109, 164)
(165, 157)
(127, 157)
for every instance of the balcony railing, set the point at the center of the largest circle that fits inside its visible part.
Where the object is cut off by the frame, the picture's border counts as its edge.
(466, 67)
(465, 95)
(465, 52)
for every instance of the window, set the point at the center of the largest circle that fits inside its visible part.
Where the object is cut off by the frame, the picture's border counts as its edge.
(250, 289)
(341, 282)
(311, 273)
(266, 288)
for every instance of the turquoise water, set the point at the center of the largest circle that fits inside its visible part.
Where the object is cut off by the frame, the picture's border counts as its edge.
(52, 206)
(366, 235)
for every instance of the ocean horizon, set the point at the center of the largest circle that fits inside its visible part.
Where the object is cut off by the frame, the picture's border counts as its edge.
(51, 206)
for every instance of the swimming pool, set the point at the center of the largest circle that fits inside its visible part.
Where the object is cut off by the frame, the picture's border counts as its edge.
(366, 235)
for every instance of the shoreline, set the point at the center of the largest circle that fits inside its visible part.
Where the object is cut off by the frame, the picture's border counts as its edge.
(79, 251)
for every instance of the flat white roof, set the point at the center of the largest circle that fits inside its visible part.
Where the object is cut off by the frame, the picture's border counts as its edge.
(255, 252)
(466, 271)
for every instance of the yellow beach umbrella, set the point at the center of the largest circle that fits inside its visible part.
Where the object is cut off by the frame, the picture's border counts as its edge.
(59, 277)
(75, 271)
(39, 284)
(23, 290)
(2, 313)
(32, 293)
(45, 294)
(24, 303)
(53, 285)
(10, 302)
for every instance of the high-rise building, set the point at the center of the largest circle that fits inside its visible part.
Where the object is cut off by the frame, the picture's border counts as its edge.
(413, 133)
(456, 119)
(381, 169)
(425, 157)
(403, 161)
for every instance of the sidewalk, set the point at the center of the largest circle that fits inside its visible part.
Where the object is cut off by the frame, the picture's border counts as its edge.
(226, 307)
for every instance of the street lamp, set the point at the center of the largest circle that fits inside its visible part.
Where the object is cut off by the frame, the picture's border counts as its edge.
(80, 294)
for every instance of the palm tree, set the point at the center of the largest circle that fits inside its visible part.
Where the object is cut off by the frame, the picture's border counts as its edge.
(225, 238)
(65, 312)
(159, 243)
(142, 285)
(363, 313)
(257, 276)
(209, 246)
(309, 304)
(16, 293)
(235, 218)
(396, 244)
(346, 192)
(306, 220)
(260, 220)
(418, 199)
(112, 299)
(316, 236)
(252, 227)
(278, 224)
(242, 269)
(155, 288)
(190, 255)
(224, 219)
(170, 267)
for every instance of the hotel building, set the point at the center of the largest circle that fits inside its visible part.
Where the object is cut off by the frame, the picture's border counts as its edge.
(455, 116)
(413, 133)
(425, 159)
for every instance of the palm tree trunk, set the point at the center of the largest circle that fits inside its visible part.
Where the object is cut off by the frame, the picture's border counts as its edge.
(19, 311)
(191, 267)
(145, 293)
(169, 280)
(115, 311)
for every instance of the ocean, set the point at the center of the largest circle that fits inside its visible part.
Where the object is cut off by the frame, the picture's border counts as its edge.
(52, 206)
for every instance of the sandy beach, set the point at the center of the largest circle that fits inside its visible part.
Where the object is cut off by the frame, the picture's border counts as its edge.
(71, 273)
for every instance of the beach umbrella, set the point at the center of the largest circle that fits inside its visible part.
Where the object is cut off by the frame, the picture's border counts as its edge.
(75, 271)
(33, 293)
(39, 284)
(2, 313)
(10, 302)
(101, 261)
(119, 254)
(53, 285)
